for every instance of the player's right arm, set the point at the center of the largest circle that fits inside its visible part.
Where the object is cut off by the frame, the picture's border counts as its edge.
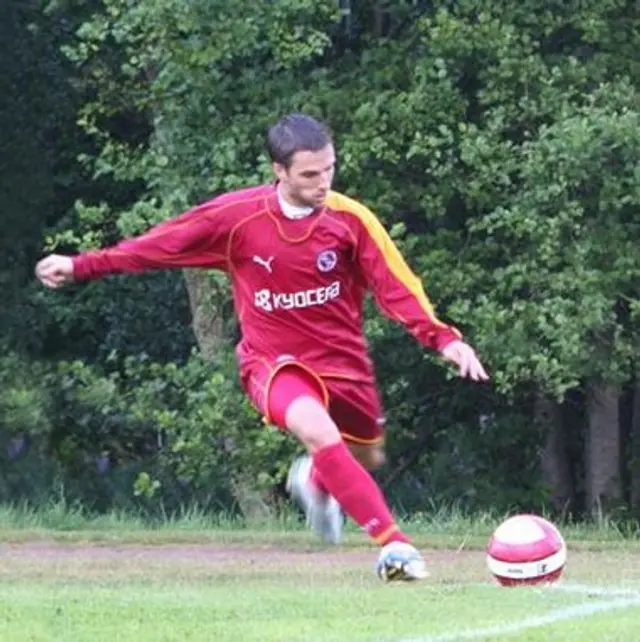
(198, 239)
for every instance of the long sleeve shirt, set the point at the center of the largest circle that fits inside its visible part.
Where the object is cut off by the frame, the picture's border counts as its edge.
(298, 285)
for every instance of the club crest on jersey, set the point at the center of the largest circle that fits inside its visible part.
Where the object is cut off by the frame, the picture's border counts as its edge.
(327, 260)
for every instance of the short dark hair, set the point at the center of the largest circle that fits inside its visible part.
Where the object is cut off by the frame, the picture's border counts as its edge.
(296, 133)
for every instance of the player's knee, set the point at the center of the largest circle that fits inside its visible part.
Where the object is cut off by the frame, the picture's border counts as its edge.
(371, 456)
(309, 420)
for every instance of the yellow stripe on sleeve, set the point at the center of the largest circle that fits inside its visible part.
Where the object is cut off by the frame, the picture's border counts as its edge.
(394, 260)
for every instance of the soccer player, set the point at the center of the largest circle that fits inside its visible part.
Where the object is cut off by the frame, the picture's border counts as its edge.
(301, 258)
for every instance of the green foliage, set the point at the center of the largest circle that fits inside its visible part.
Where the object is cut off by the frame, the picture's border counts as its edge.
(26, 420)
(24, 398)
(453, 443)
(210, 434)
(561, 268)
(161, 433)
(36, 108)
(480, 129)
(498, 140)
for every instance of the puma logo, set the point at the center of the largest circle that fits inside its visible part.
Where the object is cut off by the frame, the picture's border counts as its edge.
(266, 264)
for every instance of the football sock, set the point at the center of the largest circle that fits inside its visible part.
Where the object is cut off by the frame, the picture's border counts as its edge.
(315, 479)
(357, 493)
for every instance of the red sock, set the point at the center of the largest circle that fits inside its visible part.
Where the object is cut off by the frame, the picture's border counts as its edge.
(357, 493)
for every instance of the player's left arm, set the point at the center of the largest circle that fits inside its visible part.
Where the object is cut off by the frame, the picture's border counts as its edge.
(400, 295)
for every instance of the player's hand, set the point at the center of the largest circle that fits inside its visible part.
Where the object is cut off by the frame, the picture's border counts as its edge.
(55, 271)
(464, 356)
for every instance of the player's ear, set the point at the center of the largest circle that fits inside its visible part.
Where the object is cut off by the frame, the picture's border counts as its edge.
(279, 170)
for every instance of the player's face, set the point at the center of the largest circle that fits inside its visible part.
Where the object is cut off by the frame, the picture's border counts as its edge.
(308, 179)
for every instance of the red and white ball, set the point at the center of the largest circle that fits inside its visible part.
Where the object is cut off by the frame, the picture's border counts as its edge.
(526, 550)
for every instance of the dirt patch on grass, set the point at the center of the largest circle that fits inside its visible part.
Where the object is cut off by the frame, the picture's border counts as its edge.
(232, 563)
(50, 559)
(212, 553)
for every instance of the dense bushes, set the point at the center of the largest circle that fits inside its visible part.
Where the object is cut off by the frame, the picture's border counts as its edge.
(156, 436)
(164, 433)
(498, 141)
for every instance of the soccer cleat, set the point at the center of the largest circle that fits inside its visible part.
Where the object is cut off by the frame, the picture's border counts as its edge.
(400, 562)
(322, 510)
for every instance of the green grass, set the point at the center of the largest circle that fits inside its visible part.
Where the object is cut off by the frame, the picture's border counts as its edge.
(444, 529)
(67, 575)
(268, 594)
(230, 611)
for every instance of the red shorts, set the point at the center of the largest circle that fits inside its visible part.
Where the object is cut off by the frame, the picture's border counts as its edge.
(354, 406)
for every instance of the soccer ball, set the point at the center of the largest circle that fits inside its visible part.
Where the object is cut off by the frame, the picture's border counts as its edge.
(526, 550)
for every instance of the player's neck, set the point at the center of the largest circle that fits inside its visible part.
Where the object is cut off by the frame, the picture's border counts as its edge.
(290, 210)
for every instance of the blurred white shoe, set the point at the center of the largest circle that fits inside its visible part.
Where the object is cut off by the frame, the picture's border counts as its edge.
(400, 562)
(322, 510)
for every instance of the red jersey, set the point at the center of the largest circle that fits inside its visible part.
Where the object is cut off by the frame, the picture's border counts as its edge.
(298, 285)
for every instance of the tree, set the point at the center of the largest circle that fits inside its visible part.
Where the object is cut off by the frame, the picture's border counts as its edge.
(499, 143)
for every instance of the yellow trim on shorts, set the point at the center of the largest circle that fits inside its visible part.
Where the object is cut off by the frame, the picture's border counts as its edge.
(295, 364)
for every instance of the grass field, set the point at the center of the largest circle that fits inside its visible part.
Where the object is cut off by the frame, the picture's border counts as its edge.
(115, 579)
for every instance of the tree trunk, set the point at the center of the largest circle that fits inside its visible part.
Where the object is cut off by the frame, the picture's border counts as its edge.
(554, 456)
(208, 328)
(603, 484)
(207, 325)
(635, 449)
